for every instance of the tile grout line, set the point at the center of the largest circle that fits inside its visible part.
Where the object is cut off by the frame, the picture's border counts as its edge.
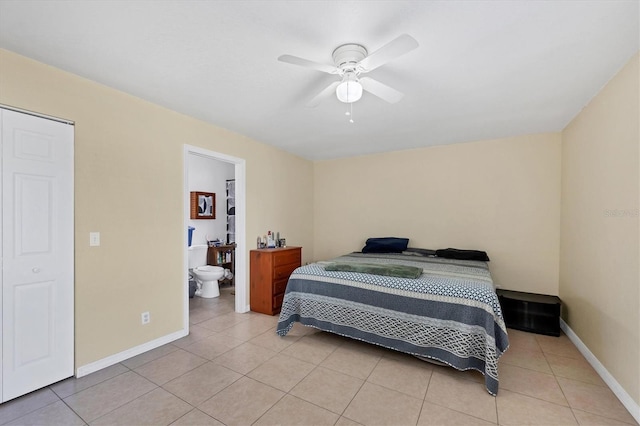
(126, 403)
(581, 357)
(243, 375)
(314, 369)
(569, 406)
(560, 387)
(34, 410)
(358, 391)
(74, 411)
(191, 411)
(424, 397)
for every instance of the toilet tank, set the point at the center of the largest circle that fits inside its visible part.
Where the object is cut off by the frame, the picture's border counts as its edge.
(197, 255)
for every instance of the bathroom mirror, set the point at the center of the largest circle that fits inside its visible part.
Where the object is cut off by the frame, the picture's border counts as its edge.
(203, 205)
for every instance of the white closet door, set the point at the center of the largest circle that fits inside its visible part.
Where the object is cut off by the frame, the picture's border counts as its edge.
(37, 253)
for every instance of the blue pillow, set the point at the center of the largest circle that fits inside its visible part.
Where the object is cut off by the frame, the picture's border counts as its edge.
(385, 245)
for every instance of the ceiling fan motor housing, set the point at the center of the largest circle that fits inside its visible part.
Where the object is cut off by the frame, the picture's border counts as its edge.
(347, 56)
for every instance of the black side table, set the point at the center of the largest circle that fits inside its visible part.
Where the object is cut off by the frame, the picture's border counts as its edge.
(536, 313)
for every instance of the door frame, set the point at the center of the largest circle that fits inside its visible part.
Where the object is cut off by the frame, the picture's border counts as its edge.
(241, 287)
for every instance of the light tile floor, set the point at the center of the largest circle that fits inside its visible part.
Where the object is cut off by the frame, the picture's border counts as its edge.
(233, 369)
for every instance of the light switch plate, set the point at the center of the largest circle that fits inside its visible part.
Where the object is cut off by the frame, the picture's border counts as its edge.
(94, 239)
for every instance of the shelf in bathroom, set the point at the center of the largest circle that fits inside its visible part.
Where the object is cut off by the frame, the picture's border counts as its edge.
(213, 259)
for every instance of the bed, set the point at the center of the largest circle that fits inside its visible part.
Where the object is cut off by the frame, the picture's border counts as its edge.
(450, 313)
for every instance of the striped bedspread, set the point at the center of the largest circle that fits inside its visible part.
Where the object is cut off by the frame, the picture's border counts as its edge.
(450, 313)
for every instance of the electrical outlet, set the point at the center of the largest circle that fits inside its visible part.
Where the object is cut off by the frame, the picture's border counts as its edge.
(146, 318)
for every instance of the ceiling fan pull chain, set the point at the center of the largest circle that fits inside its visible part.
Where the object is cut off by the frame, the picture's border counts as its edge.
(351, 113)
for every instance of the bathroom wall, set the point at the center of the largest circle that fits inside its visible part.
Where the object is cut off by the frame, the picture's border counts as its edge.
(208, 175)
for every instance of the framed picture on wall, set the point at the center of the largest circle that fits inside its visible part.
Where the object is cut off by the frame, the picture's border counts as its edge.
(203, 205)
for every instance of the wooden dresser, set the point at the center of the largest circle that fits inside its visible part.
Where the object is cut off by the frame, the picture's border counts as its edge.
(269, 272)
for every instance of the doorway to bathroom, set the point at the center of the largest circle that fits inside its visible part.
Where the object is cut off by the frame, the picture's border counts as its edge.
(208, 172)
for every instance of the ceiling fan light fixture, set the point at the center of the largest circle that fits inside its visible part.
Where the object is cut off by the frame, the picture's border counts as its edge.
(350, 90)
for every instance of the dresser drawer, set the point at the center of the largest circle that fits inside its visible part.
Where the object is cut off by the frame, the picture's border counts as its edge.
(286, 257)
(277, 301)
(280, 272)
(280, 286)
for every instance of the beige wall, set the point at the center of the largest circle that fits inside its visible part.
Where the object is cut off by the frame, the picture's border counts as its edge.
(502, 196)
(599, 273)
(129, 186)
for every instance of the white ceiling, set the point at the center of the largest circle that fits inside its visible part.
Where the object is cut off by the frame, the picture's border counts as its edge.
(484, 69)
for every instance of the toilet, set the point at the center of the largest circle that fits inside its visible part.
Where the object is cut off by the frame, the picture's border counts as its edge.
(206, 276)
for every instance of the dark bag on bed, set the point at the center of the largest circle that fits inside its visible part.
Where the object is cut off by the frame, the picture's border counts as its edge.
(452, 253)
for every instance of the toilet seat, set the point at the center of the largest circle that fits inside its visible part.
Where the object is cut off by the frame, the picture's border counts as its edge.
(208, 268)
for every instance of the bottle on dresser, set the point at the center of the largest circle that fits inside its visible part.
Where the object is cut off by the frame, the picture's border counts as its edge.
(270, 241)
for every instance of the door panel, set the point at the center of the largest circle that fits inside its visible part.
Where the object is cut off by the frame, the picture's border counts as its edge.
(33, 213)
(37, 253)
(33, 307)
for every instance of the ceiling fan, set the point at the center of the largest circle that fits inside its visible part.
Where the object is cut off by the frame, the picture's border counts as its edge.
(350, 62)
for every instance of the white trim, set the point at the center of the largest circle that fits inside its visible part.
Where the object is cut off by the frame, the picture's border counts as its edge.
(129, 353)
(186, 206)
(241, 282)
(37, 114)
(626, 400)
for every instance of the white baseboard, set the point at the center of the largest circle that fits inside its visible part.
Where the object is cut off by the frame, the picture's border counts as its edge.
(626, 400)
(129, 353)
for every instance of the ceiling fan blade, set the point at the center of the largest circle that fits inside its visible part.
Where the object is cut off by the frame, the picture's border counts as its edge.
(380, 90)
(330, 69)
(395, 48)
(325, 93)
